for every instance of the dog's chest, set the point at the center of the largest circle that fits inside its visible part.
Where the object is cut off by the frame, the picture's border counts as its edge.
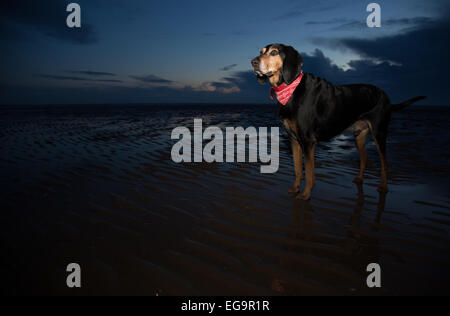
(291, 127)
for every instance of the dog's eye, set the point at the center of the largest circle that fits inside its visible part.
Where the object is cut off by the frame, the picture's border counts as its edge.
(274, 53)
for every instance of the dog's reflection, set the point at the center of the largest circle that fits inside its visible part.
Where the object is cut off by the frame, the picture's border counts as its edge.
(302, 221)
(355, 219)
(350, 246)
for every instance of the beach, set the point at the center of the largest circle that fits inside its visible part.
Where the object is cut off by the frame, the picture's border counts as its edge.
(96, 185)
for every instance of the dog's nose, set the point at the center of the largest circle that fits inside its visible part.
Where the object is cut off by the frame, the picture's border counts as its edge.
(255, 62)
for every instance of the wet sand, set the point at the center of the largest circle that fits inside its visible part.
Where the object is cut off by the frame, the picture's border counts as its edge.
(95, 185)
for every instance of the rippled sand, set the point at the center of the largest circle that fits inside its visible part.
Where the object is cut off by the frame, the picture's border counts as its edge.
(95, 185)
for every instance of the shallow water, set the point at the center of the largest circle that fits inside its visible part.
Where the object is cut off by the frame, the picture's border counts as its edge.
(95, 185)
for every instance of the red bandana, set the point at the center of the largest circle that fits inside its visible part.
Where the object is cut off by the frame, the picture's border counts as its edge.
(284, 92)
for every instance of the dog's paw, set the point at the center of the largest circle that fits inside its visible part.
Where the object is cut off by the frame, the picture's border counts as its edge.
(294, 190)
(305, 196)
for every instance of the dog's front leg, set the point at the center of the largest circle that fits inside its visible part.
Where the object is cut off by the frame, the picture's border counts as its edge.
(297, 152)
(310, 173)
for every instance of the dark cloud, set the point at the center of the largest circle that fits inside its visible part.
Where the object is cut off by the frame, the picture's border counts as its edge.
(303, 9)
(414, 62)
(320, 65)
(291, 14)
(45, 17)
(108, 80)
(407, 23)
(151, 79)
(228, 68)
(351, 25)
(91, 73)
(243, 85)
(326, 22)
(71, 78)
(420, 20)
(361, 71)
(222, 85)
(399, 82)
(55, 77)
(422, 54)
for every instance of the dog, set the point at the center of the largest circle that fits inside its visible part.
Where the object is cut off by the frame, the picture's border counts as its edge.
(313, 110)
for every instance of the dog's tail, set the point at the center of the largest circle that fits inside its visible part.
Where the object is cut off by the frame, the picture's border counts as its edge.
(401, 106)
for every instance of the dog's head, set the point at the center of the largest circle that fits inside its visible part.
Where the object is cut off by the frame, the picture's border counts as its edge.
(278, 63)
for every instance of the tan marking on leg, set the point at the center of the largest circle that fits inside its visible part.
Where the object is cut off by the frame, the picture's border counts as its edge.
(310, 173)
(383, 186)
(361, 146)
(298, 166)
(360, 126)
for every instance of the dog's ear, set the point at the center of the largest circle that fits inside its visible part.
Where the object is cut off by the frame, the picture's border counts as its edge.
(262, 80)
(292, 64)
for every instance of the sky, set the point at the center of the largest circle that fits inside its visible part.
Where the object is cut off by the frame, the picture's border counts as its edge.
(145, 51)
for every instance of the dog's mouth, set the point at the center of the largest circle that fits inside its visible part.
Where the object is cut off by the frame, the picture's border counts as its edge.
(259, 73)
(258, 70)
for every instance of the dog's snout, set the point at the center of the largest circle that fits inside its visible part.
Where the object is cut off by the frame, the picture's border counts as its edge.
(255, 62)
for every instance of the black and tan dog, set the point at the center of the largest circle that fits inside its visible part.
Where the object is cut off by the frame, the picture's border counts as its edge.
(318, 111)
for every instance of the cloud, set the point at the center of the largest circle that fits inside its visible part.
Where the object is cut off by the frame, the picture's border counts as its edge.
(423, 54)
(352, 25)
(326, 22)
(420, 20)
(45, 17)
(109, 80)
(302, 10)
(91, 73)
(408, 23)
(240, 84)
(60, 77)
(219, 87)
(368, 71)
(151, 79)
(229, 67)
(239, 87)
(414, 62)
(71, 78)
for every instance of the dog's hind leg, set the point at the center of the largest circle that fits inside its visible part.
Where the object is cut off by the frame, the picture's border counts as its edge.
(297, 152)
(361, 131)
(309, 171)
(380, 137)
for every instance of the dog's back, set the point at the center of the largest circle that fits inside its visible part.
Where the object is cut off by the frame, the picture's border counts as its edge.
(327, 110)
